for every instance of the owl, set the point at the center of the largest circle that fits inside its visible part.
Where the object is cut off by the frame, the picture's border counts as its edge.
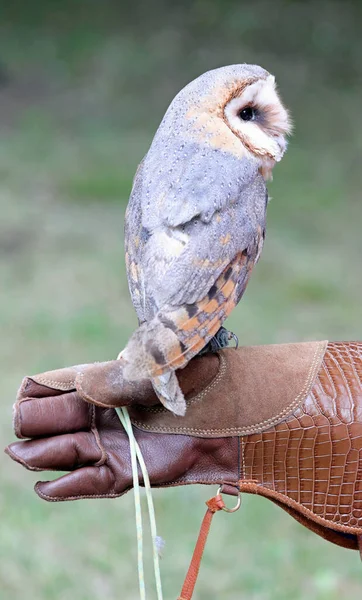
(195, 222)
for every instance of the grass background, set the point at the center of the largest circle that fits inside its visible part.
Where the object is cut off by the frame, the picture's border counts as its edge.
(83, 86)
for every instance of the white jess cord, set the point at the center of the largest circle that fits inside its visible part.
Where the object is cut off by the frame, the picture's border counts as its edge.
(137, 454)
(137, 501)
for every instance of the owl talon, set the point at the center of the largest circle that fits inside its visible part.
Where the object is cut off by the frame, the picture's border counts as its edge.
(220, 340)
(233, 336)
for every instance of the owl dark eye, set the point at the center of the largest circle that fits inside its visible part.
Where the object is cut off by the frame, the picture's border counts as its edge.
(247, 114)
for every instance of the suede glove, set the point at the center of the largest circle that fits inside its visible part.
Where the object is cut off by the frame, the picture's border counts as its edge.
(66, 433)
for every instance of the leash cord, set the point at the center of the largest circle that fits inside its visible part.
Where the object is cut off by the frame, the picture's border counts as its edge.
(137, 454)
(122, 414)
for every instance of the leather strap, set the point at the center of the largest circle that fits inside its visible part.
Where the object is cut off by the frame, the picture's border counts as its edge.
(213, 505)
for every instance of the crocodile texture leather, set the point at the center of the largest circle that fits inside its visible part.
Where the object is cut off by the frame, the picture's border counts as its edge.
(311, 462)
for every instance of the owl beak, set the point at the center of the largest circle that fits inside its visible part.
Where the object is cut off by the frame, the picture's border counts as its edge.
(266, 169)
(281, 145)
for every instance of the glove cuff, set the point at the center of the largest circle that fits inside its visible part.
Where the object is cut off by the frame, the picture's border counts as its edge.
(253, 389)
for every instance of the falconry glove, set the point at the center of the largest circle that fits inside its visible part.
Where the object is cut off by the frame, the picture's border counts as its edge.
(290, 430)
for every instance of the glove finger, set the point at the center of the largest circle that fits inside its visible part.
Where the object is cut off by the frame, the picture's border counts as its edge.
(88, 482)
(36, 417)
(59, 453)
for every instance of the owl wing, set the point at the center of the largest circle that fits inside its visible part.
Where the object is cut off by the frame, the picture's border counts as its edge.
(177, 333)
(175, 208)
(194, 275)
(136, 237)
(195, 324)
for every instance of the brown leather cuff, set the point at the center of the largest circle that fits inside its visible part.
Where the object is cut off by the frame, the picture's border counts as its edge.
(254, 388)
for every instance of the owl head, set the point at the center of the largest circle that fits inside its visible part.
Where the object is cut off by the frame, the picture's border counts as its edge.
(235, 109)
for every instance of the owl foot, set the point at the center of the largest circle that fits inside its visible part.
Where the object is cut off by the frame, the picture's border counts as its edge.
(220, 340)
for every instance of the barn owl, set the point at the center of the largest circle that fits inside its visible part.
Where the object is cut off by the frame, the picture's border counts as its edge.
(195, 222)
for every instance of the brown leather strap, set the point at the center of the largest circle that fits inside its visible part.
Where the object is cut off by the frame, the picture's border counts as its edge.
(213, 505)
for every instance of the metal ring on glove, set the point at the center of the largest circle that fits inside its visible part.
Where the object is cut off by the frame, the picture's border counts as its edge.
(236, 507)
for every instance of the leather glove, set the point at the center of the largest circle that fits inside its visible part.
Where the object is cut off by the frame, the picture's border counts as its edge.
(264, 420)
(68, 434)
(63, 413)
(279, 421)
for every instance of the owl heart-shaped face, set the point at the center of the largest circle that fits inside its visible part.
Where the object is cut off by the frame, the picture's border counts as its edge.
(256, 115)
(237, 109)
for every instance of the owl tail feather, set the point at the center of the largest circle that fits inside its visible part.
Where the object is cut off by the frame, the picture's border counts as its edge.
(169, 393)
(145, 356)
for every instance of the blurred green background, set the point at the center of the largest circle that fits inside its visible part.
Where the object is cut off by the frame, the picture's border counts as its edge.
(83, 86)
